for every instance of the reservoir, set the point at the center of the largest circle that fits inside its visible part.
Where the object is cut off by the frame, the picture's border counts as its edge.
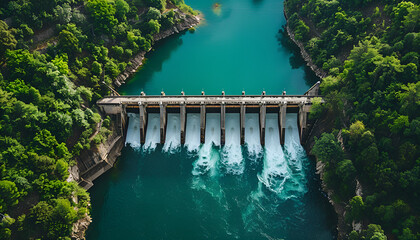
(208, 191)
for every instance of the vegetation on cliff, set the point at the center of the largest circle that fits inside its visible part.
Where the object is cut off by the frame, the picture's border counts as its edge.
(371, 51)
(56, 59)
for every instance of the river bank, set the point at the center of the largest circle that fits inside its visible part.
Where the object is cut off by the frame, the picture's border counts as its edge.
(319, 72)
(94, 162)
(320, 126)
(186, 21)
(118, 195)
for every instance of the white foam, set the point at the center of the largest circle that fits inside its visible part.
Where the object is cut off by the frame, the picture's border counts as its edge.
(153, 132)
(232, 152)
(208, 155)
(208, 158)
(192, 134)
(213, 128)
(173, 133)
(292, 142)
(275, 171)
(295, 155)
(252, 135)
(133, 130)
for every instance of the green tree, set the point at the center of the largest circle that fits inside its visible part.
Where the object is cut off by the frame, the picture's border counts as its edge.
(102, 12)
(159, 4)
(327, 149)
(63, 13)
(61, 62)
(62, 217)
(374, 232)
(41, 213)
(61, 169)
(410, 98)
(122, 8)
(153, 26)
(399, 124)
(153, 13)
(7, 38)
(316, 108)
(96, 68)
(68, 43)
(357, 208)
(79, 118)
(9, 195)
(346, 171)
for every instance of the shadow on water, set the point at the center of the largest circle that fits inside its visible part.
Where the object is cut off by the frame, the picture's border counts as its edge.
(295, 60)
(257, 3)
(319, 198)
(155, 59)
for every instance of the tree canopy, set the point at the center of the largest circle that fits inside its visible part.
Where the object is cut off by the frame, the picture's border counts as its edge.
(370, 50)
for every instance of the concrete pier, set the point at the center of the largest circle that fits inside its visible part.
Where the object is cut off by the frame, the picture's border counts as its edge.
(183, 104)
(122, 119)
(282, 121)
(162, 122)
(143, 122)
(263, 112)
(222, 123)
(183, 115)
(242, 122)
(302, 116)
(281, 104)
(202, 123)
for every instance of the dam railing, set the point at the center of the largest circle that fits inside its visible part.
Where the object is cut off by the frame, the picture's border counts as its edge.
(203, 104)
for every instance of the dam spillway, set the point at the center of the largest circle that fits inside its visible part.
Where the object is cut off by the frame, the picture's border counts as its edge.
(165, 195)
(156, 113)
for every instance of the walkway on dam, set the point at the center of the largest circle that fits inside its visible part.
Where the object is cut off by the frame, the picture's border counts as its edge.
(183, 104)
(206, 99)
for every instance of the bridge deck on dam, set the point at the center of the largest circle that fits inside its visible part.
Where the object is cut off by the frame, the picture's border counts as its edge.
(183, 104)
(207, 99)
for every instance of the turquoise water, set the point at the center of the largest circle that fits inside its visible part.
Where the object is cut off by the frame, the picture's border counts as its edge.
(208, 191)
(235, 50)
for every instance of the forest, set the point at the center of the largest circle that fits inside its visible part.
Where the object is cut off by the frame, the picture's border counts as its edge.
(370, 50)
(57, 57)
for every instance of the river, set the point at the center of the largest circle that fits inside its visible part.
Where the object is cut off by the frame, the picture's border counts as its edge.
(208, 191)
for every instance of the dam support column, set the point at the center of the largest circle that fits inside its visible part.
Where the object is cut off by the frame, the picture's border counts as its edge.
(143, 122)
(182, 115)
(162, 122)
(202, 122)
(122, 120)
(242, 122)
(282, 121)
(222, 123)
(302, 122)
(262, 123)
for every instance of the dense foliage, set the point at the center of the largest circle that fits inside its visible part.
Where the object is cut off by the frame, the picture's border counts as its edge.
(57, 58)
(371, 51)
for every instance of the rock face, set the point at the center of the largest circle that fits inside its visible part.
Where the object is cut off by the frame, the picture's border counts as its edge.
(309, 62)
(80, 227)
(94, 162)
(90, 165)
(185, 22)
(339, 207)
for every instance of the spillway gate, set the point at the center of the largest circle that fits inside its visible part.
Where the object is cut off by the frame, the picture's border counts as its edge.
(203, 104)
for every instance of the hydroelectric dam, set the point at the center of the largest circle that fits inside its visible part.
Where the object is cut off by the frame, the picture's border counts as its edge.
(175, 108)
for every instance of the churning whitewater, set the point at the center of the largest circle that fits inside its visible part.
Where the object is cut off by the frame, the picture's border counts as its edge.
(264, 178)
(198, 191)
(282, 172)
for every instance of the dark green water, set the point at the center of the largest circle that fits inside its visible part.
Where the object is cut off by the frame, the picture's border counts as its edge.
(211, 192)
